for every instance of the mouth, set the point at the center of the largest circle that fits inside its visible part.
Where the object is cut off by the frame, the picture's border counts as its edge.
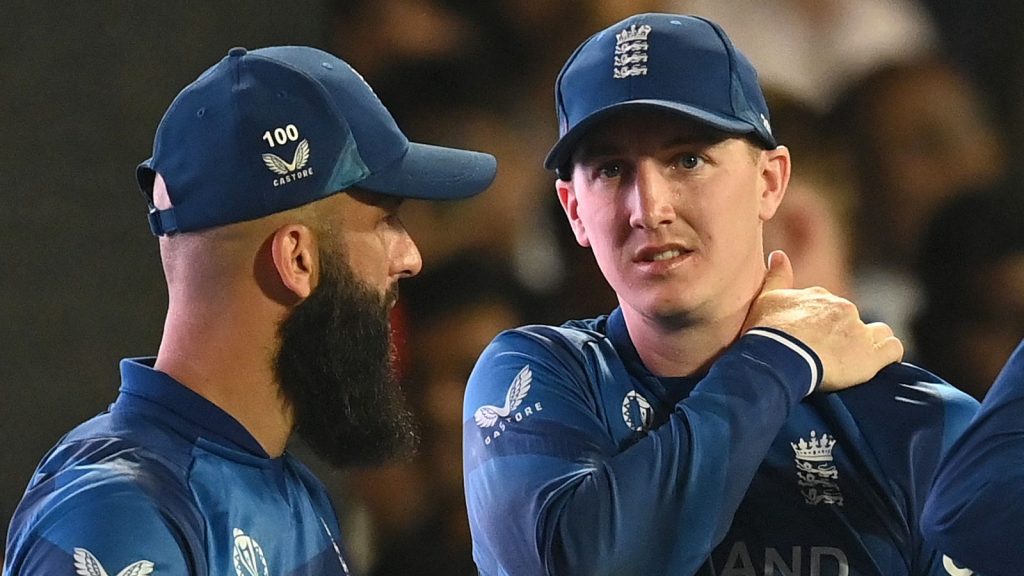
(391, 297)
(666, 255)
(660, 254)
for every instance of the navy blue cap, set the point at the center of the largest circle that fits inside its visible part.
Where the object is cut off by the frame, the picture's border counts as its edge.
(268, 130)
(683, 64)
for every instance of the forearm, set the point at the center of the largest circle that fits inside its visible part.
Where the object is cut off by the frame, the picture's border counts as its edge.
(577, 506)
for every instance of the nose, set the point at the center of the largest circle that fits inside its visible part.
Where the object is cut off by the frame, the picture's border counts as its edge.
(652, 197)
(407, 261)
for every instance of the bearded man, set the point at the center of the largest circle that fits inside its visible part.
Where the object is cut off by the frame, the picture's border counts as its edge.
(274, 186)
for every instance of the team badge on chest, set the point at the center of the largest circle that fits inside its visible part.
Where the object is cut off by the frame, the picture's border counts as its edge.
(816, 471)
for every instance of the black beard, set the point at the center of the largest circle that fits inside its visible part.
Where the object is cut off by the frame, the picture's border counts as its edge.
(336, 372)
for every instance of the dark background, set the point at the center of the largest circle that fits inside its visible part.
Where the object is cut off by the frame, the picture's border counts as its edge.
(82, 88)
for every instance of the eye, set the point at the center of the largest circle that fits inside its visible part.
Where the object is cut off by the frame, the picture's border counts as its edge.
(389, 216)
(689, 161)
(392, 219)
(610, 170)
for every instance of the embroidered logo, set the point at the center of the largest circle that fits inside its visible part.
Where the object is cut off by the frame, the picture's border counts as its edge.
(497, 419)
(631, 52)
(248, 556)
(288, 171)
(87, 565)
(817, 474)
(487, 415)
(767, 124)
(277, 165)
(637, 411)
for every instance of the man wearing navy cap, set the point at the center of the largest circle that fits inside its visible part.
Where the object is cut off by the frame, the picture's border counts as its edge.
(693, 429)
(274, 187)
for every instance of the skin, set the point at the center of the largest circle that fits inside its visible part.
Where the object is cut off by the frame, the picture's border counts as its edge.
(647, 183)
(231, 287)
(809, 230)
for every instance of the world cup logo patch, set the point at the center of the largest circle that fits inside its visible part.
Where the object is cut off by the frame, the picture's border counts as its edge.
(637, 412)
(248, 556)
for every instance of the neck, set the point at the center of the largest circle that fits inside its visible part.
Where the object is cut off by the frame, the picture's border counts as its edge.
(688, 343)
(223, 351)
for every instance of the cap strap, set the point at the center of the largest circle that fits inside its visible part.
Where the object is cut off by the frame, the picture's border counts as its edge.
(163, 222)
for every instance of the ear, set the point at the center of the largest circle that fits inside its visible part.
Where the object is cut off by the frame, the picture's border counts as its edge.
(161, 198)
(293, 249)
(796, 227)
(567, 198)
(775, 169)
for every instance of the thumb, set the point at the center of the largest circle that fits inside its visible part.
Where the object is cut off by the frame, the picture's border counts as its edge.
(780, 272)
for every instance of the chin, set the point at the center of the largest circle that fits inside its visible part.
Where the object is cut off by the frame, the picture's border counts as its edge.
(674, 308)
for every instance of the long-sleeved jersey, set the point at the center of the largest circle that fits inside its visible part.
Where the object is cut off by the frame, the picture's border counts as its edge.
(975, 508)
(579, 461)
(165, 482)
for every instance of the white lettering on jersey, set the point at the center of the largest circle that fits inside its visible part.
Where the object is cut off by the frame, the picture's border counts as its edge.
(500, 417)
(87, 565)
(740, 562)
(487, 415)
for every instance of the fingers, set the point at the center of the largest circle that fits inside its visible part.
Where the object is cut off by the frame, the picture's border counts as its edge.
(891, 350)
(851, 352)
(780, 272)
(889, 347)
(879, 331)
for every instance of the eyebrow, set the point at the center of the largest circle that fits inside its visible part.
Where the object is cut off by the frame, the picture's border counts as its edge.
(391, 204)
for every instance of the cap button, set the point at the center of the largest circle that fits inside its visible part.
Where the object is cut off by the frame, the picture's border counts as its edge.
(237, 51)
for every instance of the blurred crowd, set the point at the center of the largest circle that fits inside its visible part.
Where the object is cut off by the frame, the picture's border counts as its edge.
(905, 120)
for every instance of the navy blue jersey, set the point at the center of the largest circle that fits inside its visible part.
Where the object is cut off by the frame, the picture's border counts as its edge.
(975, 509)
(165, 482)
(579, 461)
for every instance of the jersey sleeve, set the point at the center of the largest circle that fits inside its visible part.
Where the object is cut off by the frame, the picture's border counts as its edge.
(974, 509)
(549, 491)
(105, 530)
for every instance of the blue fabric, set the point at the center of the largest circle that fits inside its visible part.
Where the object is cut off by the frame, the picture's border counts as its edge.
(974, 511)
(265, 131)
(683, 64)
(596, 466)
(167, 478)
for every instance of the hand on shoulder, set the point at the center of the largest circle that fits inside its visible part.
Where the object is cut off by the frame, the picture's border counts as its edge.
(851, 351)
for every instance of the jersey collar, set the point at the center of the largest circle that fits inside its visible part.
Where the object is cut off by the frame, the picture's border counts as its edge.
(155, 394)
(667, 386)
